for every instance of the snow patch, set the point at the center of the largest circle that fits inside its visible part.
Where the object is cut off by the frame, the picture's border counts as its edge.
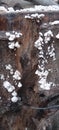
(57, 36)
(8, 86)
(17, 75)
(39, 42)
(40, 8)
(43, 79)
(17, 44)
(17, 34)
(3, 9)
(36, 15)
(14, 99)
(12, 35)
(2, 77)
(51, 52)
(54, 22)
(14, 93)
(0, 98)
(13, 44)
(42, 72)
(37, 8)
(8, 34)
(10, 9)
(19, 85)
(9, 67)
(48, 36)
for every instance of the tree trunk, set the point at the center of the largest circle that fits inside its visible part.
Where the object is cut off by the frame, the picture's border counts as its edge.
(29, 45)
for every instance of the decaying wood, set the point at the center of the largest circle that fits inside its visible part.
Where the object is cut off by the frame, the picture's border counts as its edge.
(16, 116)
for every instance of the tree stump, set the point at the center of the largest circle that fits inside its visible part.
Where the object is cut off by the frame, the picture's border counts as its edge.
(29, 70)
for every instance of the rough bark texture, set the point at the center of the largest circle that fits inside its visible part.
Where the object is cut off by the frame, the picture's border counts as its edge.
(17, 116)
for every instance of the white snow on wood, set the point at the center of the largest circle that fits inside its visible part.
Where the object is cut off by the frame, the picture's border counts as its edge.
(8, 86)
(43, 79)
(10, 9)
(57, 36)
(2, 77)
(51, 52)
(8, 34)
(12, 35)
(17, 45)
(17, 75)
(14, 93)
(17, 34)
(39, 42)
(3, 9)
(40, 8)
(0, 98)
(19, 85)
(13, 45)
(9, 67)
(36, 15)
(42, 72)
(36, 8)
(54, 22)
(48, 36)
(14, 99)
